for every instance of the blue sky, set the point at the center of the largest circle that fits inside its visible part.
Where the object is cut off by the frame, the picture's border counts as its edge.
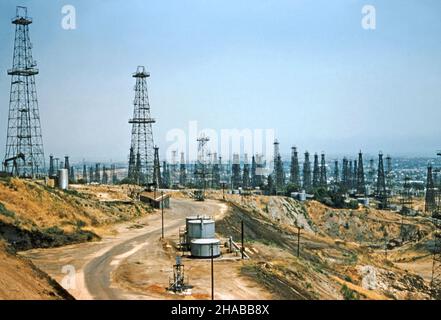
(304, 68)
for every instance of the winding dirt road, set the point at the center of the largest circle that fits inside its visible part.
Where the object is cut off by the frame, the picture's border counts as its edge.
(86, 270)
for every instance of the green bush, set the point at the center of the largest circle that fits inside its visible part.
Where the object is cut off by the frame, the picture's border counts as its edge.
(6, 212)
(349, 294)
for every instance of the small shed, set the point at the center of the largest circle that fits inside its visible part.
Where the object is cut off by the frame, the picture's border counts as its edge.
(156, 199)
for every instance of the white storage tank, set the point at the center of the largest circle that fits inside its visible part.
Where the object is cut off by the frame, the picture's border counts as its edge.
(302, 196)
(200, 229)
(190, 218)
(63, 179)
(201, 248)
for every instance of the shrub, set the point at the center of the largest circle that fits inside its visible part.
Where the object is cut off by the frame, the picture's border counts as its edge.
(6, 212)
(349, 294)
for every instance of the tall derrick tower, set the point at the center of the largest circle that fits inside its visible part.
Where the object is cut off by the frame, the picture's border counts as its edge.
(279, 174)
(141, 156)
(336, 174)
(295, 174)
(24, 135)
(216, 179)
(381, 192)
(201, 167)
(323, 175)
(345, 174)
(84, 173)
(430, 198)
(235, 172)
(361, 185)
(246, 173)
(157, 169)
(182, 171)
(307, 173)
(316, 172)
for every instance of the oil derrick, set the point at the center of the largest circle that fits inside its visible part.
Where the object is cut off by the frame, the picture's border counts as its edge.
(323, 177)
(361, 186)
(84, 173)
(354, 175)
(66, 162)
(24, 140)
(165, 175)
(307, 173)
(91, 176)
(201, 166)
(156, 169)
(221, 171)
(182, 171)
(345, 174)
(381, 193)
(260, 168)
(235, 172)
(216, 181)
(316, 172)
(295, 171)
(246, 184)
(97, 173)
(279, 174)
(51, 166)
(350, 176)
(105, 176)
(389, 177)
(114, 176)
(371, 173)
(72, 178)
(435, 283)
(69, 169)
(141, 156)
(173, 168)
(406, 196)
(430, 199)
(336, 173)
(253, 172)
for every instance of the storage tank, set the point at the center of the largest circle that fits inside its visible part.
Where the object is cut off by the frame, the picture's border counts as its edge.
(190, 218)
(201, 248)
(200, 229)
(63, 179)
(302, 196)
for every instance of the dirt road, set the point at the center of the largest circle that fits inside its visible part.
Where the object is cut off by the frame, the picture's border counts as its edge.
(89, 267)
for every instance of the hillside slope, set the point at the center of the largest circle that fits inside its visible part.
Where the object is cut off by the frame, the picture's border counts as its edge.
(34, 215)
(341, 251)
(21, 280)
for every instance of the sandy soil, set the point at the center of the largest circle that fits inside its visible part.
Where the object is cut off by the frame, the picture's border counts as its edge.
(121, 266)
(20, 279)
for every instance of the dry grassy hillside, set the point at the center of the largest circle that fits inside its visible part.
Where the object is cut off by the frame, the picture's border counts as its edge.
(341, 250)
(33, 215)
(20, 279)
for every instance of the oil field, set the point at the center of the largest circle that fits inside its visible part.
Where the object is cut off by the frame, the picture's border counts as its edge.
(163, 223)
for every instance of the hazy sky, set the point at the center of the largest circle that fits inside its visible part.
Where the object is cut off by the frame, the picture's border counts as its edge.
(306, 69)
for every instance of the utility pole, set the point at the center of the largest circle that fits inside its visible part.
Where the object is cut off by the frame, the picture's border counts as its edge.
(242, 249)
(162, 214)
(212, 273)
(298, 242)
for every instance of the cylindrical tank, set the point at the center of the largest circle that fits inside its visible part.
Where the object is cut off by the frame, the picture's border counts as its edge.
(190, 218)
(63, 179)
(200, 229)
(201, 248)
